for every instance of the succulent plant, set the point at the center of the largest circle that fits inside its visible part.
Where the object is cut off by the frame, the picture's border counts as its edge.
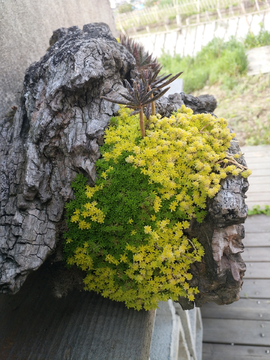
(142, 57)
(137, 98)
(145, 90)
(146, 85)
(157, 82)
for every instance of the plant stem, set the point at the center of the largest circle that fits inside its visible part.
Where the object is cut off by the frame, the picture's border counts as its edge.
(153, 107)
(142, 122)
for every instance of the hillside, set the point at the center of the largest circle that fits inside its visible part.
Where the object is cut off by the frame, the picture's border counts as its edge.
(246, 107)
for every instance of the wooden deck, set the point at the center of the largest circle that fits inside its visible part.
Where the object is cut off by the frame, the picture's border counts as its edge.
(241, 330)
(258, 160)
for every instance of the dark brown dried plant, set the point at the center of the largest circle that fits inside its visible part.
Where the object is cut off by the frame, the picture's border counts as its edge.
(147, 85)
(137, 98)
(142, 57)
(145, 90)
(157, 82)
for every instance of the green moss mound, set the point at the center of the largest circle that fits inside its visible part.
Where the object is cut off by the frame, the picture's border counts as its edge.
(128, 231)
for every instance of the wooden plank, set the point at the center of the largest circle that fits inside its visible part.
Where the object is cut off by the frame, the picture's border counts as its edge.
(260, 196)
(257, 224)
(253, 201)
(36, 325)
(260, 172)
(257, 270)
(245, 309)
(256, 254)
(250, 204)
(255, 289)
(252, 158)
(249, 156)
(242, 332)
(257, 198)
(258, 188)
(264, 194)
(258, 180)
(236, 352)
(258, 149)
(257, 239)
(259, 163)
(253, 155)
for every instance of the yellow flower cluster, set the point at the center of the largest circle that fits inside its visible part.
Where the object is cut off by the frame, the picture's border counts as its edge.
(81, 258)
(158, 271)
(90, 211)
(185, 155)
(180, 152)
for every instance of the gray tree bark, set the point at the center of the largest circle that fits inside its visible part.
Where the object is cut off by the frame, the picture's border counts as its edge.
(56, 133)
(219, 276)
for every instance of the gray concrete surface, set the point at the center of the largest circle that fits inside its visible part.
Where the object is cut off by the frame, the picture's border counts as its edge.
(193, 37)
(177, 333)
(35, 325)
(258, 60)
(25, 29)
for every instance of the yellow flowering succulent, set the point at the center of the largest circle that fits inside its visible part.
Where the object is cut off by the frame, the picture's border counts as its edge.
(129, 231)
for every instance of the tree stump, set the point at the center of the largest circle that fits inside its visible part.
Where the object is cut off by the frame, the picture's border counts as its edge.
(56, 133)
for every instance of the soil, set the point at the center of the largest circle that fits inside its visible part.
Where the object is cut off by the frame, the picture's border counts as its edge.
(246, 106)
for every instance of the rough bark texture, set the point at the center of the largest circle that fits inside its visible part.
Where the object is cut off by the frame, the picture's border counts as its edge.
(56, 133)
(219, 276)
(201, 104)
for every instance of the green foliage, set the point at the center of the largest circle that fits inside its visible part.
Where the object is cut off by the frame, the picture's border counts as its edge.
(150, 3)
(262, 39)
(259, 134)
(257, 210)
(125, 8)
(128, 232)
(218, 61)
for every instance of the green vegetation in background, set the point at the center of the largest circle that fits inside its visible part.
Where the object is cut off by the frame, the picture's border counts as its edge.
(150, 3)
(225, 64)
(259, 134)
(155, 12)
(262, 39)
(125, 8)
(246, 107)
(257, 210)
(190, 6)
(218, 61)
